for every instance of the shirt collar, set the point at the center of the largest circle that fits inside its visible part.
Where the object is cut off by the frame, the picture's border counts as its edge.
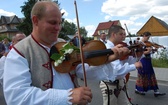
(47, 48)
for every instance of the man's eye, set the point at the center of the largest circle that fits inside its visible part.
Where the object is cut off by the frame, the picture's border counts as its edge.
(55, 23)
(52, 23)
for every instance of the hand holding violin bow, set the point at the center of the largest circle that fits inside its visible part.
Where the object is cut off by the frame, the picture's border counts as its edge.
(136, 49)
(119, 51)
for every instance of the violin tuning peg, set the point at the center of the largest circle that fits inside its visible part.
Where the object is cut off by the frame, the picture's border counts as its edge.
(138, 38)
(130, 42)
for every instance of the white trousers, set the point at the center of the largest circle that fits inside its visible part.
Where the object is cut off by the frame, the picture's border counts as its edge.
(111, 99)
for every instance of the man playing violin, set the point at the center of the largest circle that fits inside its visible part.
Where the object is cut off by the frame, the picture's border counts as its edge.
(29, 77)
(146, 76)
(114, 91)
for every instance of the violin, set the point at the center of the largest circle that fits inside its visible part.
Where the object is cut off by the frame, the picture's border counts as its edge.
(95, 53)
(150, 44)
(138, 50)
(126, 56)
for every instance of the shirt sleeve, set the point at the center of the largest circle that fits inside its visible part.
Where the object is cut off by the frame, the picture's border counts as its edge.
(2, 62)
(131, 59)
(17, 85)
(102, 72)
(122, 69)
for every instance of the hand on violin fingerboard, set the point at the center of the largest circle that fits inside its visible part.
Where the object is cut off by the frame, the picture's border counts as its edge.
(148, 50)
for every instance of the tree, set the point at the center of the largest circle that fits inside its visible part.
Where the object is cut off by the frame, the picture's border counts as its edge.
(26, 25)
(83, 31)
(69, 28)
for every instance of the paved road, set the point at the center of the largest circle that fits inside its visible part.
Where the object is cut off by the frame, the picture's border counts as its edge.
(148, 99)
(2, 101)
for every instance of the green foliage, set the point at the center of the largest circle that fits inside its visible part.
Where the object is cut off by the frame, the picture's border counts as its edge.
(66, 49)
(89, 38)
(161, 60)
(3, 37)
(131, 35)
(26, 25)
(83, 31)
(69, 28)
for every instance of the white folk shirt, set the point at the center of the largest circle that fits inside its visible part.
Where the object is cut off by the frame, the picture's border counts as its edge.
(2, 62)
(121, 68)
(17, 82)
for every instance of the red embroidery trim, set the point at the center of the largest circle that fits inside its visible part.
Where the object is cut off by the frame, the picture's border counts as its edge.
(47, 65)
(47, 85)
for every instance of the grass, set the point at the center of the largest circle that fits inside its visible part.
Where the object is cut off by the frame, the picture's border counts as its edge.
(161, 60)
(161, 63)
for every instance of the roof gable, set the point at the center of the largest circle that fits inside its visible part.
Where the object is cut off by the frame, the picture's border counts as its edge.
(164, 24)
(155, 26)
(105, 25)
(9, 19)
(15, 19)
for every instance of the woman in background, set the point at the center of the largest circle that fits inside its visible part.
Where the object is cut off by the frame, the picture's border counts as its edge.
(146, 79)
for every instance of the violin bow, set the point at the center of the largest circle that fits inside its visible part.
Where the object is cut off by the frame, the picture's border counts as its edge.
(131, 41)
(128, 33)
(80, 45)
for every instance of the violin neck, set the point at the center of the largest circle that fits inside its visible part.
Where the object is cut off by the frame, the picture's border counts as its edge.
(96, 53)
(132, 47)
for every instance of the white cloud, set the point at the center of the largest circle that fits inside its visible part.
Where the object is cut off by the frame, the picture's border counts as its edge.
(107, 17)
(124, 7)
(71, 20)
(91, 29)
(133, 18)
(136, 12)
(6, 13)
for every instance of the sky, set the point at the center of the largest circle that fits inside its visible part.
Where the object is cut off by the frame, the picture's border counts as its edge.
(133, 13)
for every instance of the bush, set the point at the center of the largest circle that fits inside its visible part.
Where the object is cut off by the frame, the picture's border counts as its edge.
(161, 60)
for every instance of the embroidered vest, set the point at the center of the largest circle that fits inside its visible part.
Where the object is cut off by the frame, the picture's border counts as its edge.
(38, 62)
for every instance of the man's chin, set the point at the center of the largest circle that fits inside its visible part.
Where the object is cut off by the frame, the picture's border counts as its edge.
(53, 41)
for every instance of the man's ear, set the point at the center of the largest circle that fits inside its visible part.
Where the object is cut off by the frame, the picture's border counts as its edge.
(35, 20)
(113, 34)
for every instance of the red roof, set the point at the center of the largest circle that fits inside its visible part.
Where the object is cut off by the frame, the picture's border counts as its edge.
(105, 25)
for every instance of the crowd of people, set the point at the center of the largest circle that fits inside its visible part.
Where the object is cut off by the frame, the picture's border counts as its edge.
(15, 39)
(4, 46)
(29, 77)
(32, 75)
